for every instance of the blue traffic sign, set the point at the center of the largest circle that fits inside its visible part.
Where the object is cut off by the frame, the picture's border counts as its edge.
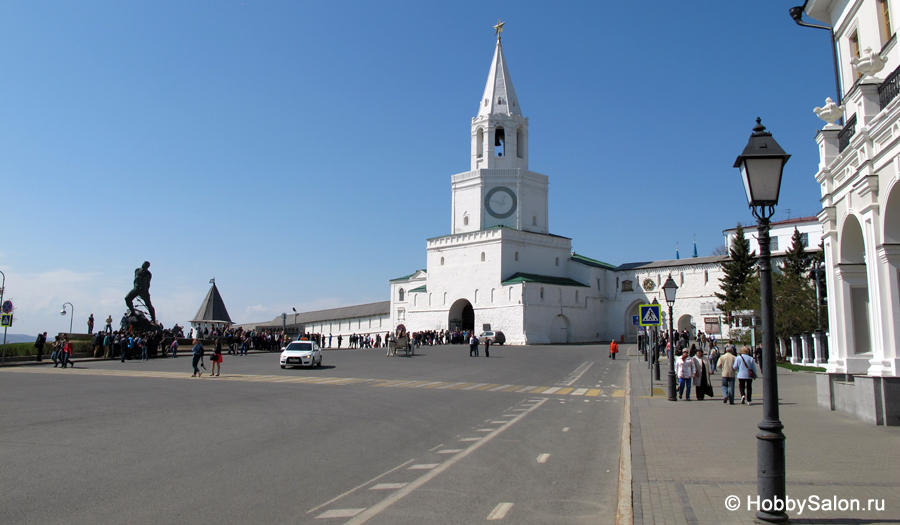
(635, 320)
(649, 315)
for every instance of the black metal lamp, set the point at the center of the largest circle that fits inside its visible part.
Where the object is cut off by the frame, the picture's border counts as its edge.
(669, 288)
(761, 165)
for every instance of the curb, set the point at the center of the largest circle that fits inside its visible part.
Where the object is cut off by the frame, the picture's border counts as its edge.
(625, 510)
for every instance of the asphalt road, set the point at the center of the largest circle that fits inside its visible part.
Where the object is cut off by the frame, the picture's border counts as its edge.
(436, 438)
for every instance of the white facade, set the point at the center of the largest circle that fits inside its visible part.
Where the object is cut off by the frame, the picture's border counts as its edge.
(858, 175)
(781, 235)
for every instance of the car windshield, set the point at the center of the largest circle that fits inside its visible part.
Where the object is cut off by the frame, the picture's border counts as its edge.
(299, 346)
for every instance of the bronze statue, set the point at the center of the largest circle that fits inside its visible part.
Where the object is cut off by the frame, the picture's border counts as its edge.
(141, 289)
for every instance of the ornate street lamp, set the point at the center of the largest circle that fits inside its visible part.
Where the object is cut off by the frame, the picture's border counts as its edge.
(669, 289)
(761, 165)
(63, 312)
(654, 344)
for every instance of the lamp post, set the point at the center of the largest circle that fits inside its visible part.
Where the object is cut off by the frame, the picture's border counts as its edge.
(669, 289)
(761, 165)
(63, 312)
(655, 344)
(295, 322)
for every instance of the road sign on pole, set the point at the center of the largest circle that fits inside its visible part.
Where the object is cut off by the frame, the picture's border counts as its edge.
(6, 320)
(649, 315)
(635, 320)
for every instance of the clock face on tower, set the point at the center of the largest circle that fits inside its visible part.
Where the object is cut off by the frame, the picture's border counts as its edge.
(500, 202)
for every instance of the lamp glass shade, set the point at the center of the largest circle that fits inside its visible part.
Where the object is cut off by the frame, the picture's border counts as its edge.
(669, 289)
(62, 312)
(762, 179)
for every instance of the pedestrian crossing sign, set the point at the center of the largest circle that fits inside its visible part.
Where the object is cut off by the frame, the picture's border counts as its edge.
(6, 320)
(649, 315)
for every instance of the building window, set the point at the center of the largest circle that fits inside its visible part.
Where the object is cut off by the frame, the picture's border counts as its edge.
(542, 293)
(576, 296)
(627, 287)
(534, 220)
(492, 295)
(711, 325)
(499, 141)
(476, 296)
(465, 220)
(479, 146)
(884, 21)
(482, 256)
(705, 277)
(854, 48)
(682, 279)
(520, 143)
(401, 295)
(442, 261)
(445, 298)
(415, 299)
(804, 240)
(557, 261)
(598, 284)
(773, 244)
(401, 315)
(517, 256)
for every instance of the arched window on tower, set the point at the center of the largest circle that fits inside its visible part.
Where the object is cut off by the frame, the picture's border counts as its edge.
(520, 143)
(482, 256)
(557, 261)
(499, 141)
(542, 293)
(517, 256)
(534, 220)
(479, 146)
(401, 295)
(442, 261)
(465, 220)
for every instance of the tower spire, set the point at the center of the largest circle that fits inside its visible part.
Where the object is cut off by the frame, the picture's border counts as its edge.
(499, 95)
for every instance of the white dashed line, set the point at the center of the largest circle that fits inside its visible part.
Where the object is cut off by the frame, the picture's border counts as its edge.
(551, 390)
(579, 392)
(340, 513)
(450, 451)
(500, 511)
(501, 387)
(424, 466)
(475, 386)
(388, 486)
(485, 430)
(470, 439)
(566, 429)
(543, 458)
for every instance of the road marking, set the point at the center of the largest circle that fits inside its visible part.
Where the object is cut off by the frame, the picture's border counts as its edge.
(543, 458)
(564, 391)
(354, 489)
(485, 430)
(450, 451)
(470, 439)
(618, 393)
(453, 385)
(423, 466)
(405, 491)
(594, 392)
(500, 511)
(497, 422)
(474, 386)
(339, 513)
(580, 392)
(577, 374)
(551, 390)
(565, 429)
(513, 388)
(430, 385)
(501, 387)
(539, 390)
(519, 409)
(388, 486)
(435, 448)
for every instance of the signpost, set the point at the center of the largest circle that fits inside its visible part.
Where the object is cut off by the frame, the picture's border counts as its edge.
(6, 319)
(648, 315)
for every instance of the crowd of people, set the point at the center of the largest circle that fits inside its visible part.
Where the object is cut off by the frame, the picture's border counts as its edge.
(696, 363)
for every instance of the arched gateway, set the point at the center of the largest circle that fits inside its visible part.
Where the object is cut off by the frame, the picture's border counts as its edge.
(462, 316)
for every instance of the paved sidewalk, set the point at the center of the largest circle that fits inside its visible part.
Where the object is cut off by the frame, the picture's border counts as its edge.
(687, 458)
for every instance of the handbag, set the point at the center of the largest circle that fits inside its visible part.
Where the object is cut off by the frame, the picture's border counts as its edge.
(750, 371)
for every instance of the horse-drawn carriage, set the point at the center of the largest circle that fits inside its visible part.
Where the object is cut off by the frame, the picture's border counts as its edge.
(401, 340)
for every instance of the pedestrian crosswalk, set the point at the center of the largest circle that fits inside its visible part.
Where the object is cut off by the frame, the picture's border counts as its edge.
(331, 381)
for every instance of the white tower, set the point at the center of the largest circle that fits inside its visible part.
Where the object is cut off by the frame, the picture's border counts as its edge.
(499, 191)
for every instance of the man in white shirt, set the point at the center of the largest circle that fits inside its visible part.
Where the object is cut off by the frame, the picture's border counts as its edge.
(685, 370)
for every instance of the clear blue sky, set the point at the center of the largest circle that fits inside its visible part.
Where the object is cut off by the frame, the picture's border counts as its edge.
(301, 152)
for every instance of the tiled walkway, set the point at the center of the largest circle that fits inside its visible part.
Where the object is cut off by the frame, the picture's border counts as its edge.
(688, 458)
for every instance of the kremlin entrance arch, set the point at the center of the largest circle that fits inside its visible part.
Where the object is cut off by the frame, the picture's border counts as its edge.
(462, 316)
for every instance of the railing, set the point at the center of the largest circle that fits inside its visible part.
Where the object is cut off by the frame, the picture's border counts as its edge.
(889, 89)
(847, 133)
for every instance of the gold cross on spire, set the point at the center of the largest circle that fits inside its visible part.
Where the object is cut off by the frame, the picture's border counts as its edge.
(498, 28)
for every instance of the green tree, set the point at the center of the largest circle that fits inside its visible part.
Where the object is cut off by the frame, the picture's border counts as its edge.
(796, 261)
(739, 274)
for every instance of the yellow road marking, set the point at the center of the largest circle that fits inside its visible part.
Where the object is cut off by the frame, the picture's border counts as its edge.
(594, 392)
(539, 390)
(564, 391)
(488, 387)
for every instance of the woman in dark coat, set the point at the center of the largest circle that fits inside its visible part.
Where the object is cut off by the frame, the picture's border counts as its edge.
(704, 386)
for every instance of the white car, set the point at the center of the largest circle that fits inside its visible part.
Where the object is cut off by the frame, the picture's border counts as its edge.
(301, 353)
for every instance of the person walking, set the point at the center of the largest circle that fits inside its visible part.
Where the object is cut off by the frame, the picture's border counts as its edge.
(216, 359)
(685, 370)
(745, 370)
(713, 358)
(726, 363)
(613, 349)
(68, 350)
(39, 345)
(197, 352)
(487, 347)
(701, 379)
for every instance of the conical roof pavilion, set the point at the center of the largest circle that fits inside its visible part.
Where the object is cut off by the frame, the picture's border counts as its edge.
(212, 310)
